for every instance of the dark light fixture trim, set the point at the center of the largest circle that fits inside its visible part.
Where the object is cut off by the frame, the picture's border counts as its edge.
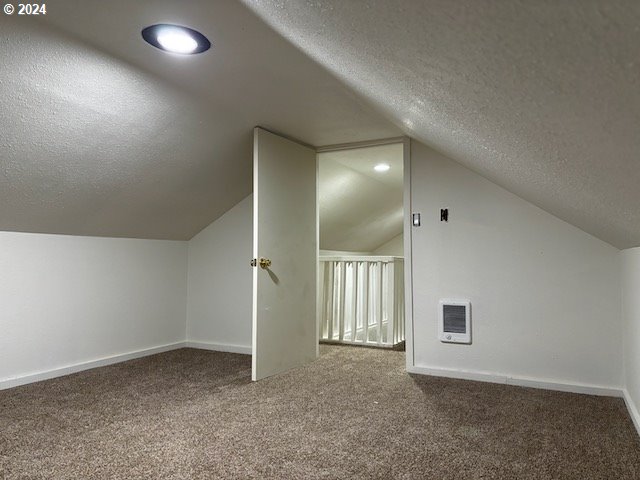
(150, 35)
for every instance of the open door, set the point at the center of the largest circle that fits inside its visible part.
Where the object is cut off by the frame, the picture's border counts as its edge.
(285, 242)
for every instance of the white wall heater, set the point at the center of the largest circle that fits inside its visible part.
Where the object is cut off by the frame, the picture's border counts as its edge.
(454, 321)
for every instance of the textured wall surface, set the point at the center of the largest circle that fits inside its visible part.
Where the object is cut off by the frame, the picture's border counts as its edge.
(541, 97)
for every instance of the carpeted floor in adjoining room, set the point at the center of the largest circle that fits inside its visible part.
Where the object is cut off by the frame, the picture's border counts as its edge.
(353, 414)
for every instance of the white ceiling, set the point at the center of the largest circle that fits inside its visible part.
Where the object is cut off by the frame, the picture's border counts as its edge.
(101, 134)
(360, 208)
(542, 97)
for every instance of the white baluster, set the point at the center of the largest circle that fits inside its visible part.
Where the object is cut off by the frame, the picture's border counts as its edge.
(332, 302)
(366, 296)
(379, 297)
(321, 295)
(354, 300)
(390, 309)
(341, 305)
(400, 300)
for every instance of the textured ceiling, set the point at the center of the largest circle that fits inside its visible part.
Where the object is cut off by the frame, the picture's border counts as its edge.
(360, 209)
(101, 134)
(542, 97)
(92, 146)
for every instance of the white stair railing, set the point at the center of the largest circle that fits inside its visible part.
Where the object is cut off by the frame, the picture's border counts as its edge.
(362, 300)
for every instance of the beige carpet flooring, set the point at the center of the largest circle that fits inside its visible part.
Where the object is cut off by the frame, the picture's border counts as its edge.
(352, 414)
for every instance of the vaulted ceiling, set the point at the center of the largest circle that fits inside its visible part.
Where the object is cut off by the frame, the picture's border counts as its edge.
(542, 97)
(360, 209)
(100, 134)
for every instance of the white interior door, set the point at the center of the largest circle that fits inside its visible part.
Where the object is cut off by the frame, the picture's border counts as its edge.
(284, 233)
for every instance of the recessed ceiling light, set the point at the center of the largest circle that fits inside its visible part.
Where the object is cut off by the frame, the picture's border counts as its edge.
(381, 167)
(176, 39)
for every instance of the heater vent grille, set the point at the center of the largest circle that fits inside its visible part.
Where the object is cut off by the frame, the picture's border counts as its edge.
(454, 324)
(454, 319)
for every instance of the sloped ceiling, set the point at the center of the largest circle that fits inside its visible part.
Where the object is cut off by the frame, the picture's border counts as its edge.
(102, 134)
(542, 97)
(360, 208)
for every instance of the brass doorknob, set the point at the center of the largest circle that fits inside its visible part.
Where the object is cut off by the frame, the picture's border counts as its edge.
(265, 263)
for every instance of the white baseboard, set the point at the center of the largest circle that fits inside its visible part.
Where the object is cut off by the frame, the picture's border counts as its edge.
(79, 367)
(633, 410)
(518, 381)
(219, 347)
(123, 357)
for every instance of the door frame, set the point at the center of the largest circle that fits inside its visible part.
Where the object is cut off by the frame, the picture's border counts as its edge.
(406, 234)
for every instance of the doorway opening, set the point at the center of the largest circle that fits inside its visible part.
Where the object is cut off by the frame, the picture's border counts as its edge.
(359, 218)
(361, 295)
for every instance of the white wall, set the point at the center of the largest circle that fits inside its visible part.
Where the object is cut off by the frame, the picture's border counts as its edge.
(394, 247)
(67, 300)
(631, 315)
(545, 295)
(220, 282)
